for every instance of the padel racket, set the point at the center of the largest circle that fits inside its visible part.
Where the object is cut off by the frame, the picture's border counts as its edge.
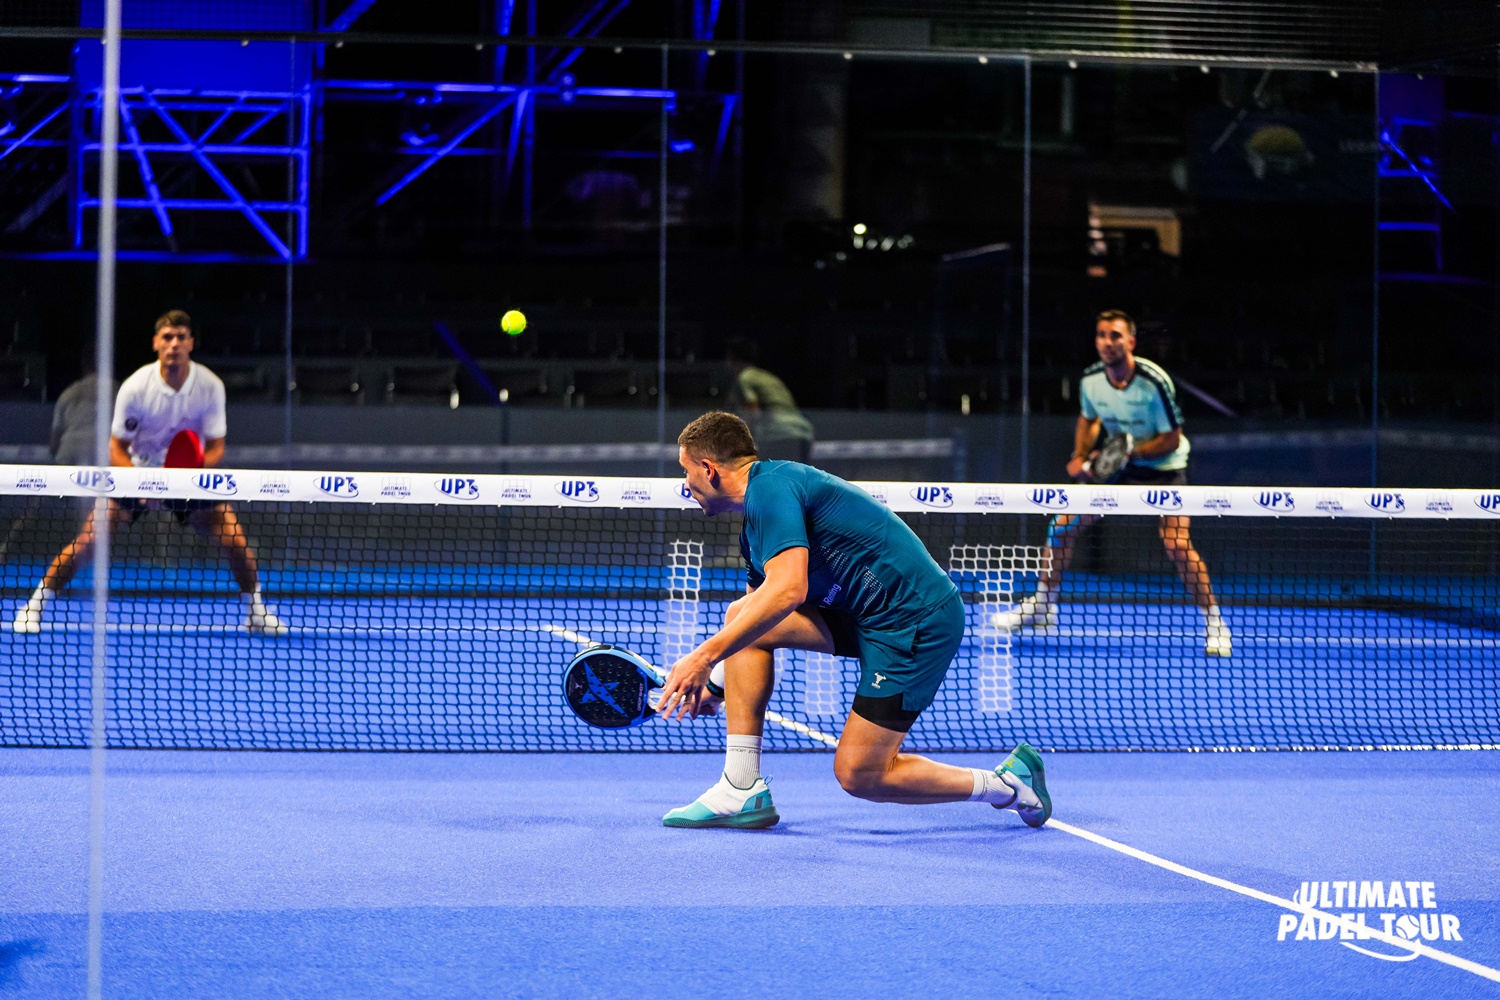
(1106, 466)
(613, 688)
(185, 451)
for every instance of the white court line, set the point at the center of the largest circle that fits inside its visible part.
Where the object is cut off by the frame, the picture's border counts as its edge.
(1343, 922)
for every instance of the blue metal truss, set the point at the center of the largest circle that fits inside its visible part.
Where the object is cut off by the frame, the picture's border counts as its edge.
(170, 133)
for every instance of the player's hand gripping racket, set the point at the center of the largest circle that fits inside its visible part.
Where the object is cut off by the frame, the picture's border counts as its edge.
(185, 451)
(613, 688)
(1109, 461)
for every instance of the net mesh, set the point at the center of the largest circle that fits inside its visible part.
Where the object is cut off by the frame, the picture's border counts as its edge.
(412, 626)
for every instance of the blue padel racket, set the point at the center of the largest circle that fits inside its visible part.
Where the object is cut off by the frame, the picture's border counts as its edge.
(612, 688)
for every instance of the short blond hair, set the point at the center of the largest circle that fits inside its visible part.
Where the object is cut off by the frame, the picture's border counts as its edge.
(721, 436)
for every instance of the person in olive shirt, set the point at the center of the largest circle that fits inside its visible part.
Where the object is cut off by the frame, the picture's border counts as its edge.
(831, 570)
(780, 429)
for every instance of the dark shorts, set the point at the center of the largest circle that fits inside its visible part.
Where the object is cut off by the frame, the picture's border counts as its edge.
(180, 509)
(1140, 475)
(901, 671)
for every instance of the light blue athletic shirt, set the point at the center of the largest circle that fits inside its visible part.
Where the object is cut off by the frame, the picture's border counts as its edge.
(1146, 407)
(862, 560)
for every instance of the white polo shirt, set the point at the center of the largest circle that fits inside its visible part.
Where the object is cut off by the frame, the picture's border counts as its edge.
(149, 413)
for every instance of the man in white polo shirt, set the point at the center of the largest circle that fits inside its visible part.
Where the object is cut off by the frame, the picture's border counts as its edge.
(172, 394)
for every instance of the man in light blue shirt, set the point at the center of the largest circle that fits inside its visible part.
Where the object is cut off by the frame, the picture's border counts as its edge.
(1126, 394)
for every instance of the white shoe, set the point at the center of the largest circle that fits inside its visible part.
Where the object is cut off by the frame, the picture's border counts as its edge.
(28, 620)
(1033, 612)
(260, 621)
(1217, 641)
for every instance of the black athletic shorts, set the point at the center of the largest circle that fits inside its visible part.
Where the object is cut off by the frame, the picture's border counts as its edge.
(180, 509)
(1141, 475)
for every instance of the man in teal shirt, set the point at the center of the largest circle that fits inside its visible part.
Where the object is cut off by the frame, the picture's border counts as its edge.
(832, 571)
(1124, 393)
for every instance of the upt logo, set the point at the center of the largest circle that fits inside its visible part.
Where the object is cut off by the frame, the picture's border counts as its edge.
(218, 483)
(1163, 499)
(459, 487)
(581, 490)
(684, 492)
(933, 496)
(338, 486)
(1488, 502)
(1276, 500)
(1386, 503)
(94, 480)
(1052, 498)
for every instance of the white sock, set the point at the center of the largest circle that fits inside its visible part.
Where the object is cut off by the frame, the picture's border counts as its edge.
(253, 602)
(1212, 618)
(1043, 593)
(990, 787)
(40, 597)
(742, 760)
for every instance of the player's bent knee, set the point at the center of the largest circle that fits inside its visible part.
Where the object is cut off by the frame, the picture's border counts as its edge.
(733, 611)
(860, 782)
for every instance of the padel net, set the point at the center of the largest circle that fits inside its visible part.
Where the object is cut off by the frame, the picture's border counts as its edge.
(439, 612)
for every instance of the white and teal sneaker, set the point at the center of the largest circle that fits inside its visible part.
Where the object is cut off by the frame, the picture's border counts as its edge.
(725, 805)
(1023, 772)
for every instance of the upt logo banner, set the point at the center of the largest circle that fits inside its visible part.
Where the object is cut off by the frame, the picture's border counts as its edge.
(580, 490)
(459, 487)
(1488, 502)
(218, 483)
(1276, 500)
(1162, 499)
(1408, 910)
(94, 480)
(933, 496)
(1386, 503)
(338, 486)
(1050, 498)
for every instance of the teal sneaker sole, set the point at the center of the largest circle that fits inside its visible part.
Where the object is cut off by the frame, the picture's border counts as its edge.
(754, 819)
(1032, 761)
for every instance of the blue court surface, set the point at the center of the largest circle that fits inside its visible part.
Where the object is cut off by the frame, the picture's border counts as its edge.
(251, 874)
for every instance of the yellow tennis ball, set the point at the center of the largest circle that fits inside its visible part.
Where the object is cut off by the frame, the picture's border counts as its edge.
(513, 322)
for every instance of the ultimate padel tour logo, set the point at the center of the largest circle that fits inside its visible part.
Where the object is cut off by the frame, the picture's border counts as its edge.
(31, 481)
(152, 482)
(220, 484)
(1407, 910)
(395, 488)
(1386, 503)
(458, 487)
(989, 500)
(1049, 498)
(515, 491)
(1488, 502)
(94, 480)
(1276, 500)
(933, 495)
(275, 486)
(338, 486)
(579, 490)
(636, 491)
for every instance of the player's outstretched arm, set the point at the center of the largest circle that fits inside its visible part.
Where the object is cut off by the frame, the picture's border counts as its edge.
(1160, 446)
(213, 452)
(784, 590)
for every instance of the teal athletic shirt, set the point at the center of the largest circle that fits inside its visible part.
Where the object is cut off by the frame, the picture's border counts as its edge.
(1146, 407)
(862, 560)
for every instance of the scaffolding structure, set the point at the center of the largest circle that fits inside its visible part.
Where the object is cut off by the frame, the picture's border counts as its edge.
(191, 144)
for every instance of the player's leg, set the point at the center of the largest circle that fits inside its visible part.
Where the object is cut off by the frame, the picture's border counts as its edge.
(1040, 609)
(219, 523)
(896, 685)
(741, 797)
(1190, 567)
(65, 566)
